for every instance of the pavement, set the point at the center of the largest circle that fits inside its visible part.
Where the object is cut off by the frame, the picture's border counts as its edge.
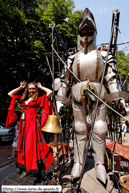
(89, 182)
(5, 153)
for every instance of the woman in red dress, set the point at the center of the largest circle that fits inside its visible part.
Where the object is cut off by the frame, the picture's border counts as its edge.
(34, 155)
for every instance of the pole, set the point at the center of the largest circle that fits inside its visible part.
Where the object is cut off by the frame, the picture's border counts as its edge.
(52, 25)
(125, 80)
(122, 38)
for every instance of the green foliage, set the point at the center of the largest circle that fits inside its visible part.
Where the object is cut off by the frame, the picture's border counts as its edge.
(66, 111)
(123, 66)
(25, 37)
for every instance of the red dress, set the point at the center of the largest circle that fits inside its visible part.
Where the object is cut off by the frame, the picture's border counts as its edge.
(33, 151)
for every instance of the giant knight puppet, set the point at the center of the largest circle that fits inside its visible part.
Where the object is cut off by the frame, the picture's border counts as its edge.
(87, 66)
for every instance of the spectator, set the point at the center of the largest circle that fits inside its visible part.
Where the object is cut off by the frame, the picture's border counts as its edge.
(124, 130)
(15, 142)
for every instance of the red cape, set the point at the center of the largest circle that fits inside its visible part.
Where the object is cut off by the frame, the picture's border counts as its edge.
(12, 116)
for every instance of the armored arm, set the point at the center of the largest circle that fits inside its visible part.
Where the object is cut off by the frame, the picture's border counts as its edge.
(62, 85)
(113, 83)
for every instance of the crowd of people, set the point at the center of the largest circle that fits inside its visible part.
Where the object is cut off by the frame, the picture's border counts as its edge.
(122, 127)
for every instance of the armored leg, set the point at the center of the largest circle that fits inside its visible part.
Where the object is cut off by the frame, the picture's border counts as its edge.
(80, 137)
(99, 141)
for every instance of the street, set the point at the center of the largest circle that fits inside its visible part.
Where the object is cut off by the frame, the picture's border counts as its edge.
(6, 171)
(5, 151)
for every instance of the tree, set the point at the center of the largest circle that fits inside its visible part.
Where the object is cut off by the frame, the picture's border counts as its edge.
(25, 37)
(123, 66)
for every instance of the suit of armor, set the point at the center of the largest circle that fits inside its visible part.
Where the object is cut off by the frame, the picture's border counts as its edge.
(87, 65)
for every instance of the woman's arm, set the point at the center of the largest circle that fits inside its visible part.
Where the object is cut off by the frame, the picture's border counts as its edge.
(14, 91)
(47, 90)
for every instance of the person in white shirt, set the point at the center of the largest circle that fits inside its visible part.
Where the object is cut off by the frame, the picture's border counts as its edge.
(15, 142)
(124, 130)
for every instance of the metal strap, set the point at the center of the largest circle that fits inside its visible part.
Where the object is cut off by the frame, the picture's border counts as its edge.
(78, 65)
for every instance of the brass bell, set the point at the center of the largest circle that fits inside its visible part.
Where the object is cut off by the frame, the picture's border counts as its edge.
(52, 125)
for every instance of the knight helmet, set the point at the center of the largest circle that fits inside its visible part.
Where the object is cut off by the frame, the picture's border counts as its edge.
(87, 32)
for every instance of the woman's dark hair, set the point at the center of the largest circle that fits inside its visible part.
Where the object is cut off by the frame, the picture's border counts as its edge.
(26, 92)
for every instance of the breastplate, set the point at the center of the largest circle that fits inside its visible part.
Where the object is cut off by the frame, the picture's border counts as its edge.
(89, 66)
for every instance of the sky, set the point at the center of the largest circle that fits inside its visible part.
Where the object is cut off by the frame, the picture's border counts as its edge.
(103, 11)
